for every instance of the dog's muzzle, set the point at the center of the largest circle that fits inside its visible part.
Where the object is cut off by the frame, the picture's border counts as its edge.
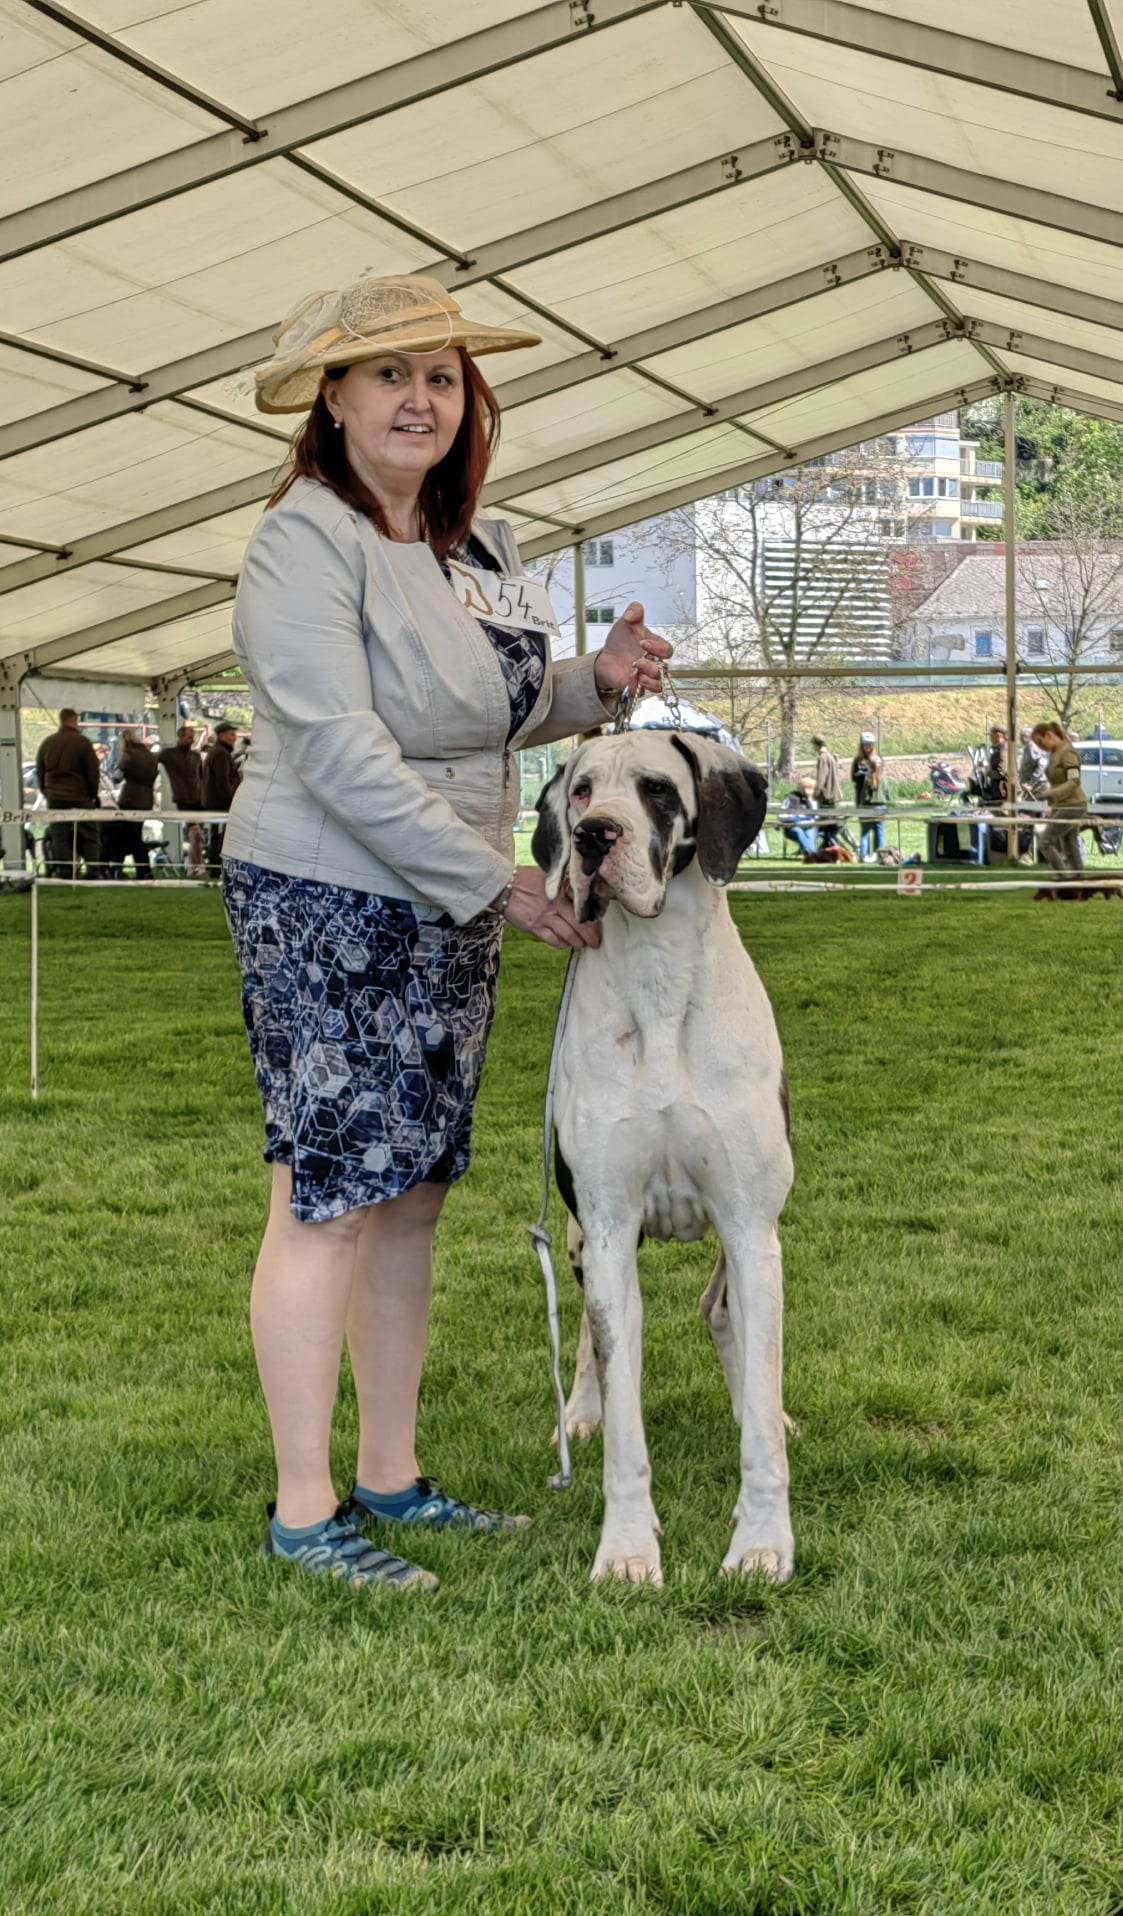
(595, 838)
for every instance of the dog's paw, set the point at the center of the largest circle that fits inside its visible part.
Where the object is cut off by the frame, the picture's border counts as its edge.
(582, 1428)
(629, 1560)
(775, 1565)
(791, 1428)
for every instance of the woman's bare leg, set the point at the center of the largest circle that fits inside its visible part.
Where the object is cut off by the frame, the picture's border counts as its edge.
(298, 1308)
(387, 1326)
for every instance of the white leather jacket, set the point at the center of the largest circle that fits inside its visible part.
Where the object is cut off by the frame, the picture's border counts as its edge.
(380, 757)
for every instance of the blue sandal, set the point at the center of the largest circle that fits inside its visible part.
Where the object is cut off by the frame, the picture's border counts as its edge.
(425, 1506)
(338, 1549)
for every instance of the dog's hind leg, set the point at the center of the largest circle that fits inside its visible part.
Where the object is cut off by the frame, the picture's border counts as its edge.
(583, 1411)
(714, 1307)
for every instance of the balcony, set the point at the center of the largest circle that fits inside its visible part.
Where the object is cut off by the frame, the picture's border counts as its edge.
(981, 509)
(990, 471)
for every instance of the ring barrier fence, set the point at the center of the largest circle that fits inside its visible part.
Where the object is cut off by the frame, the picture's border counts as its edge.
(907, 880)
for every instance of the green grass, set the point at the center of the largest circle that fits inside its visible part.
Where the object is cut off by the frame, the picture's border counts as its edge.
(928, 1719)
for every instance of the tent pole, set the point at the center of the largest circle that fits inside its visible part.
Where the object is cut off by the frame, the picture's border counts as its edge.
(579, 600)
(1009, 405)
(12, 858)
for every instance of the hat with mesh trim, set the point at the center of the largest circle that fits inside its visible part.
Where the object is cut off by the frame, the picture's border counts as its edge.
(387, 313)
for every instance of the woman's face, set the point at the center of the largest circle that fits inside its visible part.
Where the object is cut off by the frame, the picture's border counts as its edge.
(400, 413)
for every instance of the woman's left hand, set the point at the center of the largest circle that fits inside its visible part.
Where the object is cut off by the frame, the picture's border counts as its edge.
(628, 659)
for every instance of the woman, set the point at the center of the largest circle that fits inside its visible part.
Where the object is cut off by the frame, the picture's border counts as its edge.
(866, 776)
(140, 769)
(797, 813)
(1068, 804)
(369, 869)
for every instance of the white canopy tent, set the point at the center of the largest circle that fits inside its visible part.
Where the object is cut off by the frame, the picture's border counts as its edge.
(750, 234)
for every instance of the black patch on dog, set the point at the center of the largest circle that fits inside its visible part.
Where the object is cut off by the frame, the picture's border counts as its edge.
(564, 1177)
(685, 849)
(663, 805)
(546, 843)
(785, 1105)
(731, 808)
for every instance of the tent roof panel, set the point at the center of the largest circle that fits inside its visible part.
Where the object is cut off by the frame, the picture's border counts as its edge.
(165, 648)
(208, 265)
(125, 117)
(1068, 259)
(257, 54)
(28, 383)
(565, 421)
(977, 127)
(819, 329)
(577, 126)
(834, 409)
(73, 600)
(1024, 318)
(678, 261)
(1030, 26)
(1111, 391)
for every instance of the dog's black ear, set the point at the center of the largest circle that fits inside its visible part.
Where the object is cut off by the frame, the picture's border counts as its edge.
(732, 800)
(549, 846)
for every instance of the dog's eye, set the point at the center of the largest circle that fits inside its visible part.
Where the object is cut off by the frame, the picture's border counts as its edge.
(582, 792)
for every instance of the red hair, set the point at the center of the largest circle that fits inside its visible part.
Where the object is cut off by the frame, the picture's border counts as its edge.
(449, 494)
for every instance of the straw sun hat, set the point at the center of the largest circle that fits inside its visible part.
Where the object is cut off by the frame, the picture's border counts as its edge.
(401, 313)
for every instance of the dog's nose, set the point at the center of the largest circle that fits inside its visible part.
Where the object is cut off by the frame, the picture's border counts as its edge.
(594, 839)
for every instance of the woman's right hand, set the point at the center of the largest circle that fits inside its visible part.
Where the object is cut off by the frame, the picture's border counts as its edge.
(551, 919)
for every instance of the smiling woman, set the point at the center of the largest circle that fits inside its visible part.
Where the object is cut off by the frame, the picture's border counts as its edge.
(396, 658)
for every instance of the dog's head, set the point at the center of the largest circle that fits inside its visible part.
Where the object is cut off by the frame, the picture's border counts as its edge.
(626, 814)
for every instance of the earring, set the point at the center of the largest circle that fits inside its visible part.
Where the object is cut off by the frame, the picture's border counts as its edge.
(337, 423)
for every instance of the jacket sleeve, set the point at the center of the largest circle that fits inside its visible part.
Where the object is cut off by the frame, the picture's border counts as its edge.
(92, 770)
(298, 630)
(1067, 791)
(575, 704)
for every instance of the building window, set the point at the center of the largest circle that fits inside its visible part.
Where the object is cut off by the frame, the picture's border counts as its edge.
(984, 645)
(1115, 642)
(920, 445)
(949, 488)
(601, 615)
(922, 488)
(1035, 641)
(599, 552)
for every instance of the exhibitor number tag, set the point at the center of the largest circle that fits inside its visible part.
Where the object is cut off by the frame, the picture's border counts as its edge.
(506, 599)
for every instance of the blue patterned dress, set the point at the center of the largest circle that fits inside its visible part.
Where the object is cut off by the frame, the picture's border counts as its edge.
(368, 1023)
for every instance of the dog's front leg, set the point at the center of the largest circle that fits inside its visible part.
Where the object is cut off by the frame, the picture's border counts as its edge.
(762, 1532)
(629, 1543)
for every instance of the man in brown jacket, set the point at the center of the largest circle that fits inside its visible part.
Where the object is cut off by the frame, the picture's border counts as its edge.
(184, 768)
(221, 780)
(66, 768)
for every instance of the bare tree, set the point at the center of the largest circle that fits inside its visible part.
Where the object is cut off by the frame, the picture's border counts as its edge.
(1075, 586)
(789, 572)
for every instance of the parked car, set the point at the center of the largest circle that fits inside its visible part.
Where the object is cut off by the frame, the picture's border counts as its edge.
(1101, 773)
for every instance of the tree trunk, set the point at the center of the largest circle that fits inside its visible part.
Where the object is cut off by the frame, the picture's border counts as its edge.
(789, 714)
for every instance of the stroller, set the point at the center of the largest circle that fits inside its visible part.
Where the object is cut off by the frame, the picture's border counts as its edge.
(946, 781)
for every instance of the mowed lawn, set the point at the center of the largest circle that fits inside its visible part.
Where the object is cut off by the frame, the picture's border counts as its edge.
(929, 1718)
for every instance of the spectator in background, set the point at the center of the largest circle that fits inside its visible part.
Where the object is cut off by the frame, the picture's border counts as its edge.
(867, 778)
(138, 767)
(1033, 761)
(242, 751)
(221, 779)
(67, 769)
(184, 768)
(827, 788)
(796, 813)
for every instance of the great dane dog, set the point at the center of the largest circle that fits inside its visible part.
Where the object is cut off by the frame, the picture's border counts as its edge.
(671, 1110)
